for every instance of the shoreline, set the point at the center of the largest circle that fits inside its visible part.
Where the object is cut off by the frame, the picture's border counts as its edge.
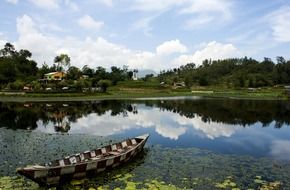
(116, 95)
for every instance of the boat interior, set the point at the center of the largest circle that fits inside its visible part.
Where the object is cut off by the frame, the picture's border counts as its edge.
(107, 151)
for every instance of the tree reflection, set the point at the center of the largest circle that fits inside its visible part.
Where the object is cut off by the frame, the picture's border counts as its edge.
(228, 111)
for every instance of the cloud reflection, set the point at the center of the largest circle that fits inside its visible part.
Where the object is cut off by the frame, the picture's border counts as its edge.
(167, 124)
(214, 130)
(280, 149)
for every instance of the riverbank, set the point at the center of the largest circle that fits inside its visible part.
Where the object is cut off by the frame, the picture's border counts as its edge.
(132, 93)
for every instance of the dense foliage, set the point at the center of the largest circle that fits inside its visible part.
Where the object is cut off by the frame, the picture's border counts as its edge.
(19, 72)
(15, 65)
(244, 72)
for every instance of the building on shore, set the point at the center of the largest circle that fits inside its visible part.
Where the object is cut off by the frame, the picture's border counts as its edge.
(54, 76)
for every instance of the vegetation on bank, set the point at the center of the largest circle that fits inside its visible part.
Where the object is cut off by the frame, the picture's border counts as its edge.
(242, 78)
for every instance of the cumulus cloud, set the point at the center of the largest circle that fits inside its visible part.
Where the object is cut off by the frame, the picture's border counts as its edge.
(280, 24)
(169, 47)
(12, 1)
(88, 22)
(101, 52)
(46, 4)
(213, 50)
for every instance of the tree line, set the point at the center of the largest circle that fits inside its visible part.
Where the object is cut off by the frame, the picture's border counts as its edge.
(18, 70)
(235, 72)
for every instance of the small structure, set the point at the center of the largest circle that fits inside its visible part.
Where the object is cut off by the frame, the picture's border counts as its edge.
(54, 76)
(179, 84)
(27, 88)
(135, 77)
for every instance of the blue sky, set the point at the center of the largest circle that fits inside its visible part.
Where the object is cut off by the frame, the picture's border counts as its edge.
(146, 34)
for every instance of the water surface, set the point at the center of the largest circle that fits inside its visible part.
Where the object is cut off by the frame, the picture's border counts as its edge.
(194, 142)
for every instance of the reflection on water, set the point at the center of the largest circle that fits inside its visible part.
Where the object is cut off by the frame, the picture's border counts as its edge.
(221, 125)
(237, 132)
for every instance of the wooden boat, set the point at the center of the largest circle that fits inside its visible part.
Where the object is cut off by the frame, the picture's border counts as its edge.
(86, 163)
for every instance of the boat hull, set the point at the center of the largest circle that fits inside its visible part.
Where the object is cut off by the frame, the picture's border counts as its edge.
(109, 158)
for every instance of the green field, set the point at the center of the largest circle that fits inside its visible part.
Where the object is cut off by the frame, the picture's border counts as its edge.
(140, 89)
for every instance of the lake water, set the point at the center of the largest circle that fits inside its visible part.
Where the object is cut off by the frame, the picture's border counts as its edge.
(195, 143)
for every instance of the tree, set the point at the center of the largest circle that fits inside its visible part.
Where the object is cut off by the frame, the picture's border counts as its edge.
(8, 50)
(130, 75)
(25, 53)
(62, 61)
(73, 73)
(88, 71)
(104, 84)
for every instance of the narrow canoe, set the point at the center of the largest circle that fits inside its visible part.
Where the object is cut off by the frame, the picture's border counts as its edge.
(86, 163)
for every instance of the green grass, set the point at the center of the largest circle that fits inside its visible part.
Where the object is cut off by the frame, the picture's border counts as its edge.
(141, 89)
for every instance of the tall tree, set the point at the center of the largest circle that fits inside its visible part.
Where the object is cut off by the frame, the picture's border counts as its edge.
(62, 61)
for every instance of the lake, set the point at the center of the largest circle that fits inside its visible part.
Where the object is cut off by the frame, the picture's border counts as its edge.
(194, 143)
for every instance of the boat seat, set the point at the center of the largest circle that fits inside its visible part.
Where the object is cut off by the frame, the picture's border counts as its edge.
(115, 153)
(96, 158)
(133, 141)
(73, 160)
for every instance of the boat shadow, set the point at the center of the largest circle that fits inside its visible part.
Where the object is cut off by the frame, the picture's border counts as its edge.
(95, 180)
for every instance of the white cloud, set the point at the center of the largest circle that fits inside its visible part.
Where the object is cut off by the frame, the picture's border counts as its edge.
(38, 43)
(101, 52)
(153, 5)
(213, 50)
(169, 47)
(73, 6)
(280, 24)
(144, 24)
(88, 22)
(108, 3)
(2, 43)
(198, 21)
(202, 11)
(46, 4)
(92, 52)
(12, 1)
(205, 6)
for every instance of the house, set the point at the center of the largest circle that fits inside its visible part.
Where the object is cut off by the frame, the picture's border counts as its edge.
(54, 76)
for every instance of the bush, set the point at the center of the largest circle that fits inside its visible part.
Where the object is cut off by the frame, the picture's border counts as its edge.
(17, 85)
(36, 86)
(104, 84)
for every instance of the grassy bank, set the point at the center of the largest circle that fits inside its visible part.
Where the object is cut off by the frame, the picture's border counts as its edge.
(140, 89)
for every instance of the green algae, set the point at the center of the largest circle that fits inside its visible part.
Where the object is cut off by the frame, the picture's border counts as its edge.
(157, 167)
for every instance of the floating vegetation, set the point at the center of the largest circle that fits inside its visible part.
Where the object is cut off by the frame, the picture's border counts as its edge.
(228, 183)
(157, 168)
(17, 183)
